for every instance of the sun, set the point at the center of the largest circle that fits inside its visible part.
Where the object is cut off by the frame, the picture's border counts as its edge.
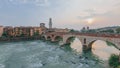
(90, 20)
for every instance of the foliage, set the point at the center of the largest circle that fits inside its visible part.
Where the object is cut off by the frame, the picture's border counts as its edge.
(22, 35)
(67, 47)
(110, 43)
(114, 61)
(71, 39)
(58, 38)
(4, 34)
(36, 33)
(118, 30)
(107, 31)
(91, 31)
(72, 30)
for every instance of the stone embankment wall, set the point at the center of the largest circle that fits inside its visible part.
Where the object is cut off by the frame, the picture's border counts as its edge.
(15, 39)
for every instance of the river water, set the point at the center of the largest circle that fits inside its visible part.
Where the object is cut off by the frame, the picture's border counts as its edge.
(40, 54)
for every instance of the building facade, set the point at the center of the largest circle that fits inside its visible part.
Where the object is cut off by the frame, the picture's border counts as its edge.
(8, 31)
(39, 30)
(23, 31)
(1, 30)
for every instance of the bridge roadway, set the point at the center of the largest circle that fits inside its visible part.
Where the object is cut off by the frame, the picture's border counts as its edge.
(87, 39)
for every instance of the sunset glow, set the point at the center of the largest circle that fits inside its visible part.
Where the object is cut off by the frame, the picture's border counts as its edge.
(90, 21)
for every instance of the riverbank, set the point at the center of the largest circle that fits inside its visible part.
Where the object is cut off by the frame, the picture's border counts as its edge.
(17, 39)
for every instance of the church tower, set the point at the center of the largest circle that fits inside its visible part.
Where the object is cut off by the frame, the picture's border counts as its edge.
(50, 23)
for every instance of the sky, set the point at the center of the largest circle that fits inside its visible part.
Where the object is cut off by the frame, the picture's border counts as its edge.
(73, 14)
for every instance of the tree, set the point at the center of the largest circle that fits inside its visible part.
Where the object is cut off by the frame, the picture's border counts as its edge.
(107, 31)
(72, 30)
(22, 35)
(36, 33)
(4, 34)
(91, 31)
(114, 61)
(118, 30)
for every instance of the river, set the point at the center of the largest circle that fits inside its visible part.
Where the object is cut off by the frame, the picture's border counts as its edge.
(41, 54)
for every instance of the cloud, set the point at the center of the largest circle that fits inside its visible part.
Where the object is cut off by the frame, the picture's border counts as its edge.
(92, 13)
(35, 2)
(42, 2)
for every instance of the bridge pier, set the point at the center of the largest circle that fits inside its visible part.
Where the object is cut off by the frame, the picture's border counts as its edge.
(85, 47)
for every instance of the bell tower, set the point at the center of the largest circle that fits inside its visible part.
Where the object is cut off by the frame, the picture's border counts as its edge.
(50, 23)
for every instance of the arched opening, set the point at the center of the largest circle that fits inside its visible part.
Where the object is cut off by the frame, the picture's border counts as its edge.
(90, 45)
(108, 43)
(58, 38)
(70, 39)
(77, 45)
(49, 38)
(101, 49)
(43, 38)
(52, 35)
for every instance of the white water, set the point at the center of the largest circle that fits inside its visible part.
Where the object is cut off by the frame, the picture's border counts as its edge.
(38, 54)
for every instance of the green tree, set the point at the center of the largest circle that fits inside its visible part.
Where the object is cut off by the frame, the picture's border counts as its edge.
(22, 35)
(118, 30)
(107, 31)
(110, 31)
(91, 31)
(36, 33)
(72, 30)
(4, 34)
(114, 61)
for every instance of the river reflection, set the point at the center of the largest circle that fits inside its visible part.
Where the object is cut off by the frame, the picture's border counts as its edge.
(99, 48)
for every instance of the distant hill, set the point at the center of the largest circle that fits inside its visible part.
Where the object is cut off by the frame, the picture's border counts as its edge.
(113, 29)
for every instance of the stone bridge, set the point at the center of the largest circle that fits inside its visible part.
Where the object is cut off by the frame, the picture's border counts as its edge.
(86, 39)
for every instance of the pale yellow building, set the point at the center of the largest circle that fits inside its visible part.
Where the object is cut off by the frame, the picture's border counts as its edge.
(39, 30)
(23, 31)
(8, 30)
(1, 30)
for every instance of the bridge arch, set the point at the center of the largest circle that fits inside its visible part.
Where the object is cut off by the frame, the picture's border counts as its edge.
(109, 43)
(58, 38)
(91, 44)
(49, 38)
(70, 39)
(43, 37)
